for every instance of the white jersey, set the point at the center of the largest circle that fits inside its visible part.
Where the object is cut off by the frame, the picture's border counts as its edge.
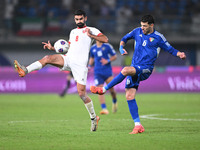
(80, 44)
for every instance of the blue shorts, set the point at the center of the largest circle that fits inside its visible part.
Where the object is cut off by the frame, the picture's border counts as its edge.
(142, 73)
(101, 78)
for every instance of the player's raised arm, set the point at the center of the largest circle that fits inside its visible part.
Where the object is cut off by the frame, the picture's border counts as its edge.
(48, 46)
(167, 47)
(121, 48)
(101, 37)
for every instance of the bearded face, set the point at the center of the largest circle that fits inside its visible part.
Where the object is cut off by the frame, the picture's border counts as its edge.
(146, 28)
(80, 20)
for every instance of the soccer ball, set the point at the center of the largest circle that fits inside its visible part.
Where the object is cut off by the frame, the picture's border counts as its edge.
(61, 46)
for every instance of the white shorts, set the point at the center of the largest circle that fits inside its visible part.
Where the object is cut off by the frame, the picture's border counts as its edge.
(79, 72)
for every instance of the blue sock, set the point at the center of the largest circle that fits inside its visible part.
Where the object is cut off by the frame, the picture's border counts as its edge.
(133, 108)
(119, 78)
(103, 106)
(114, 100)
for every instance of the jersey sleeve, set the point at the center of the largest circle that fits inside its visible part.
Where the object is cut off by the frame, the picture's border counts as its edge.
(111, 50)
(166, 46)
(95, 31)
(130, 35)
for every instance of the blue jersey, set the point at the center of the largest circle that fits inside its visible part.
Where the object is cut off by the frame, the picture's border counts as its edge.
(147, 47)
(105, 51)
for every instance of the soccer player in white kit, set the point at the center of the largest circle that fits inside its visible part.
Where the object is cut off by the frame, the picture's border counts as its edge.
(75, 60)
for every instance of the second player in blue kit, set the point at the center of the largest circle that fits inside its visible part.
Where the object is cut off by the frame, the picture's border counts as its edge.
(101, 55)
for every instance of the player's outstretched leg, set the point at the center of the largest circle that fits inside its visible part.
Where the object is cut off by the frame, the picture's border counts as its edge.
(94, 123)
(137, 129)
(101, 90)
(22, 71)
(97, 90)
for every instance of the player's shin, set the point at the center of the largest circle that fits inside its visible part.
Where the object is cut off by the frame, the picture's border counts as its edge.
(119, 78)
(133, 108)
(34, 66)
(94, 119)
(90, 107)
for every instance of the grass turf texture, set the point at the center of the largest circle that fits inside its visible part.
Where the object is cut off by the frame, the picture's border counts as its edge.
(45, 122)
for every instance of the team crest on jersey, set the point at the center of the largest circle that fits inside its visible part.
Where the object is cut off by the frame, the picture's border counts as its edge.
(84, 30)
(151, 39)
(103, 48)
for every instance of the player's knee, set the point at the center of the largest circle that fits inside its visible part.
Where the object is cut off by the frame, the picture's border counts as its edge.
(125, 71)
(128, 71)
(81, 91)
(130, 96)
(46, 59)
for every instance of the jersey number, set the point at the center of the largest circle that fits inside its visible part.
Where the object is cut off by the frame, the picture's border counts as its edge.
(99, 53)
(144, 43)
(77, 38)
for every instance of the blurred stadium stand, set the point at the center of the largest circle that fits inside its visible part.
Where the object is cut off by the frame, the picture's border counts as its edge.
(24, 24)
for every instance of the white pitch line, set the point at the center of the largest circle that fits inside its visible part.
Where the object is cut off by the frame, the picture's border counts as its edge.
(153, 117)
(187, 114)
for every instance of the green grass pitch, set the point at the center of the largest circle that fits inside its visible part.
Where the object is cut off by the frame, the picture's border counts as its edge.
(48, 122)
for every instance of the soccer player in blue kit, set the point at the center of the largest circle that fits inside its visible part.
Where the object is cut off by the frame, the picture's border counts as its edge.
(148, 43)
(101, 55)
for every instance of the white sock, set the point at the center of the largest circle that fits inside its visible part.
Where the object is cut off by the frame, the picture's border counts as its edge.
(34, 66)
(137, 123)
(90, 109)
(104, 90)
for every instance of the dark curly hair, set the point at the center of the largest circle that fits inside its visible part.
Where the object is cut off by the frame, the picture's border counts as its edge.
(147, 18)
(80, 12)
